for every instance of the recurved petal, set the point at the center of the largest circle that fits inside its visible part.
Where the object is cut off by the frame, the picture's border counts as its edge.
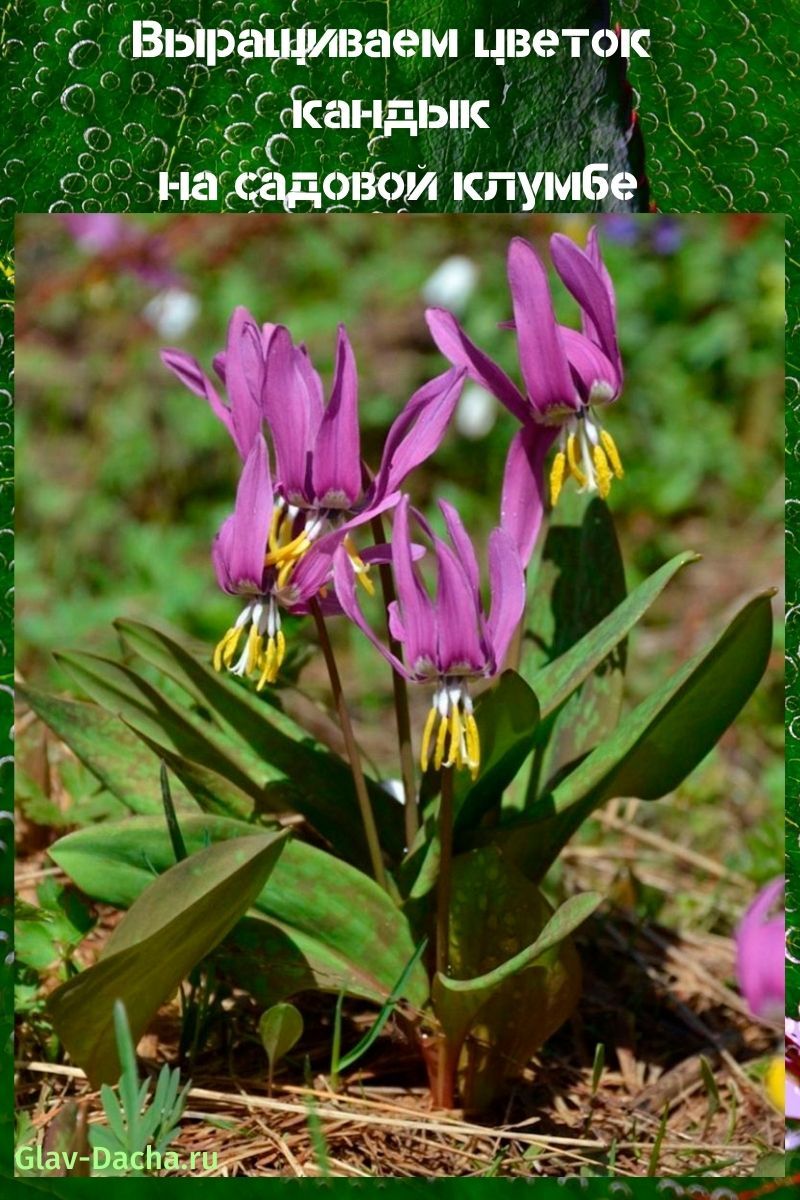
(462, 544)
(588, 285)
(595, 376)
(336, 469)
(415, 606)
(344, 582)
(542, 357)
(464, 354)
(523, 499)
(508, 593)
(221, 553)
(418, 431)
(192, 376)
(251, 519)
(458, 616)
(287, 413)
(244, 378)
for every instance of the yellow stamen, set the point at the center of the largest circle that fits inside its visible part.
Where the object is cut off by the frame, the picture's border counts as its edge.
(602, 471)
(254, 643)
(776, 1082)
(610, 447)
(424, 756)
(274, 529)
(454, 753)
(360, 567)
(473, 745)
(557, 473)
(226, 648)
(438, 753)
(270, 664)
(292, 551)
(572, 459)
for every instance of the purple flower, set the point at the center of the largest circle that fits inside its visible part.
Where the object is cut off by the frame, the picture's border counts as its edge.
(240, 367)
(567, 374)
(760, 953)
(266, 554)
(318, 446)
(128, 245)
(449, 640)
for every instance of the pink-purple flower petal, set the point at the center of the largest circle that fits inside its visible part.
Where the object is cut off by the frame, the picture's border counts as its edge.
(336, 470)
(542, 357)
(523, 499)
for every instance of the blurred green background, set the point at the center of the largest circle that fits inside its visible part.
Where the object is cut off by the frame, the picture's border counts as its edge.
(123, 476)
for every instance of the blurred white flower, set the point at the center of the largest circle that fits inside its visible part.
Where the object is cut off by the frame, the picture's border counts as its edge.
(395, 788)
(172, 312)
(451, 284)
(476, 412)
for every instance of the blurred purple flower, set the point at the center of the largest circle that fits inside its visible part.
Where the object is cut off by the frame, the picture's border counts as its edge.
(266, 553)
(792, 1103)
(567, 375)
(760, 953)
(124, 244)
(450, 640)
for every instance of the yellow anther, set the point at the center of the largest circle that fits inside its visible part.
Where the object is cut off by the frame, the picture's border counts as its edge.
(284, 572)
(441, 736)
(454, 753)
(572, 459)
(359, 566)
(424, 756)
(473, 745)
(776, 1082)
(280, 641)
(226, 647)
(612, 454)
(254, 643)
(557, 473)
(290, 552)
(602, 471)
(274, 529)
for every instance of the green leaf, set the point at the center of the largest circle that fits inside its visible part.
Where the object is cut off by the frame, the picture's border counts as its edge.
(556, 681)
(507, 717)
(581, 580)
(318, 923)
(556, 114)
(657, 745)
(111, 752)
(704, 154)
(173, 924)
(322, 785)
(280, 1029)
(508, 991)
(146, 710)
(397, 993)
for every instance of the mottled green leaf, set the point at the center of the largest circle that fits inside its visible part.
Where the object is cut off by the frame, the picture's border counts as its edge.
(321, 785)
(514, 976)
(658, 744)
(318, 923)
(111, 752)
(175, 922)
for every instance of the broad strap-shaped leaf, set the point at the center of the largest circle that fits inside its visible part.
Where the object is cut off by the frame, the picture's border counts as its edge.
(657, 745)
(111, 751)
(146, 710)
(318, 923)
(323, 786)
(458, 1001)
(557, 680)
(581, 581)
(507, 717)
(175, 922)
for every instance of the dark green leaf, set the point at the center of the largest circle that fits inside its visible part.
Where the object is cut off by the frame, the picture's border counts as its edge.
(173, 924)
(318, 923)
(322, 786)
(658, 744)
(111, 752)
